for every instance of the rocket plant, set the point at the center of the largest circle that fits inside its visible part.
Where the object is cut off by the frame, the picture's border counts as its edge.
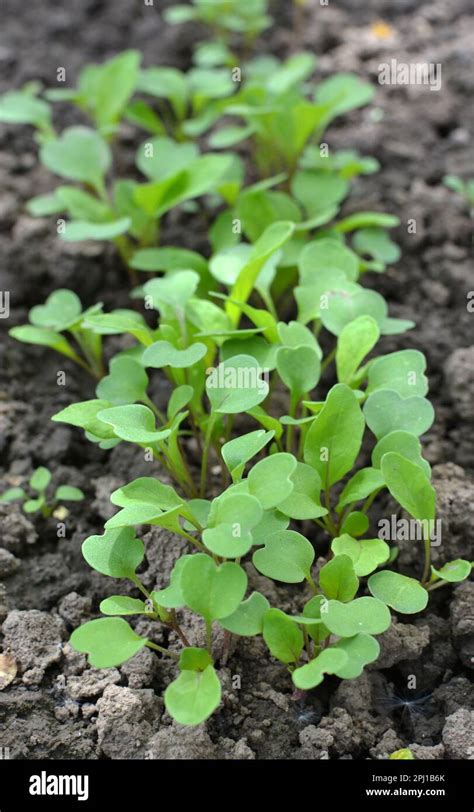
(284, 419)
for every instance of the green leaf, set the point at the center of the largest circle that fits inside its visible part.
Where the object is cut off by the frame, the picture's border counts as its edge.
(247, 620)
(194, 659)
(355, 524)
(403, 594)
(270, 479)
(134, 423)
(212, 591)
(121, 605)
(193, 696)
(40, 479)
(334, 439)
(78, 230)
(454, 571)
(110, 87)
(404, 443)
(272, 522)
(410, 487)
(338, 580)
(159, 158)
(126, 382)
(11, 494)
(173, 291)
(236, 385)
(116, 553)
(385, 411)
(79, 154)
(107, 641)
(33, 505)
(304, 500)
(270, 241)
(299, 368)
(84, 415)
(401, 371)
(237, 452)
(282, 636)
(235, 516)
(330, 255)
(163, 354)
(172, 597)
(356, 340)
(61, 310)
(318, 191)
(20, 107)
(43, 337)
(342, 307)
(179, 398)
(287, 556)
(360, 486)
(166, 83)
(367, 615)
(312, 674)
(360, 650)
(81, 205)
(377, 244)
(343, 92)
(120, 321)
(366, 219)
(366, 555)
(68, 493)
(168, 258)
(143, 501)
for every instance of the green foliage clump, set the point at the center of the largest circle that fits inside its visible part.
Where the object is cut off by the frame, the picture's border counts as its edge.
(270, 346)
(40, 502)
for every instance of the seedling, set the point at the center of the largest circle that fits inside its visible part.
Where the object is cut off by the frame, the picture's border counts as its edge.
(263, 458)
(310, 472)
(225, 18)
(463, 188)
(60, 323)
(40, 502)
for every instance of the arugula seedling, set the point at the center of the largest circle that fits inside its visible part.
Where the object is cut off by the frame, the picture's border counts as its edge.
(463, 188)
(62, 314)
(225, 18)
(38, 483)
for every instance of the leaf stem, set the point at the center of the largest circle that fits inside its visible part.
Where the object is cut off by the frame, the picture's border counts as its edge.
(162, 650)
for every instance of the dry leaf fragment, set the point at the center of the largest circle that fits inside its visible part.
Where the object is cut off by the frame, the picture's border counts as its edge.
(8, 670)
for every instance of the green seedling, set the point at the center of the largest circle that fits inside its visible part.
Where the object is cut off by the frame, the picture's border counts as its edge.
(60, 324)
(269, 443)
(463, 188)
(40, 502)
(226, 19)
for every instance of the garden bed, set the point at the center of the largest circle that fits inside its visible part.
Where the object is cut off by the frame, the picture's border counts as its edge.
(58, 707)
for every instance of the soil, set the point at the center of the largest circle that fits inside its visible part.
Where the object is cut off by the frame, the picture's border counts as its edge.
(59, 708)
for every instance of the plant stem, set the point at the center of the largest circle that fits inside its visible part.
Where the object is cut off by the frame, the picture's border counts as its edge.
(427, 568)
(328, 360)
(177, 628)
(205, 453)
(139, 585)
(162, 650)
(209, 636)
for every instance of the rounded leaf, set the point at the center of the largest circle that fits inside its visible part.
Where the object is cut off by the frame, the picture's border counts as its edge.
(287, 556)
(367, 615)
(107, 641)
(193, 696)
(116, 553)
(403, 594)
